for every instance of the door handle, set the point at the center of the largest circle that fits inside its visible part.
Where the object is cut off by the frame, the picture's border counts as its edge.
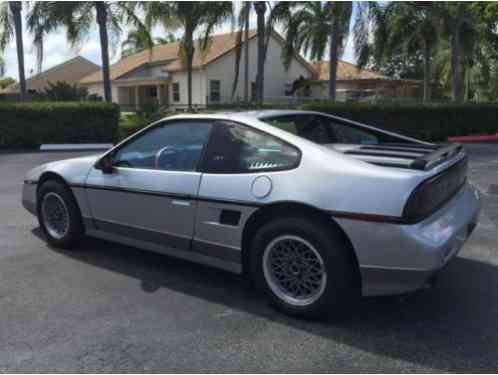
(180, 203)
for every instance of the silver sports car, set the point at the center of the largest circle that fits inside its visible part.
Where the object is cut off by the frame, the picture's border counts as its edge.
(316, 209)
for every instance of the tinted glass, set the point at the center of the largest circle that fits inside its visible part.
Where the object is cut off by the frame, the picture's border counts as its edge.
(323, 130)
(236, 148)
(173, 147)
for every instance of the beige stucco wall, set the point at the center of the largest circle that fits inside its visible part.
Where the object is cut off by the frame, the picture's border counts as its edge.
(276, 76)
(198, 88)
(98, 88)
(223, 69)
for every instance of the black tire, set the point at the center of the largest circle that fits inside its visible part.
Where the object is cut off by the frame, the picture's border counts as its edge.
(340, 291)
(75, 231)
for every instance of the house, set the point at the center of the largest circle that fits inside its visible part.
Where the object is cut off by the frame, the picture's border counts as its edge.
(159, 76)
(70, 72)
(354, 83)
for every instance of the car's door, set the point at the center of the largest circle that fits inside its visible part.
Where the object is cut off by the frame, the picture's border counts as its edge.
(240, 166)
(150, 195)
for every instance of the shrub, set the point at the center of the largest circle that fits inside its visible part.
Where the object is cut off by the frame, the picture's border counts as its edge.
(130, 124)
(64, 92)
(31, 124)
(434, 122)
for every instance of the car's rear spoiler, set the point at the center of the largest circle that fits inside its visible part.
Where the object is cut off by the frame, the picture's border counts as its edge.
(439, 155)
(405, 155)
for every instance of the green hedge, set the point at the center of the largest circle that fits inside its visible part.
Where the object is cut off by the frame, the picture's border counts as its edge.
(130, 124)
(434, 122)
(28, 125)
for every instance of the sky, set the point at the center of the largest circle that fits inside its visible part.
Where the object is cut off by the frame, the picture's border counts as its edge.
(58, 50)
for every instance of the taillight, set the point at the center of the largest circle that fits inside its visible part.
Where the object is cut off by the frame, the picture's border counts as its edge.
(434, 192)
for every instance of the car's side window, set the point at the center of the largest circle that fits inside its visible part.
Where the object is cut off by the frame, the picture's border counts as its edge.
(306, 126)
(170, 146)
(236, 148)
(348, 133)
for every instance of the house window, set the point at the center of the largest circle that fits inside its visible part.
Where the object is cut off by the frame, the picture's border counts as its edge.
(214, 90)
(176, 92)
(153, 92)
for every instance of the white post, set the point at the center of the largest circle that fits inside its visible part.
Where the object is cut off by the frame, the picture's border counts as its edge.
(137, 98)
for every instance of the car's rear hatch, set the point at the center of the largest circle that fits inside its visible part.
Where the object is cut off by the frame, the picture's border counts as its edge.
(444, 169)
(402, 155)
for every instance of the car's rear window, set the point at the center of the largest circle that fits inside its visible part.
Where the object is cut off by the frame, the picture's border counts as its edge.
(322, 130)
(326, 130)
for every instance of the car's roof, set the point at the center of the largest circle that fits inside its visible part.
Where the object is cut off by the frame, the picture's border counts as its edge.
(257, 114)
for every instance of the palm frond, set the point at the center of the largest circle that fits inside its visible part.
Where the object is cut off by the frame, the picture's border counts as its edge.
(6, 25)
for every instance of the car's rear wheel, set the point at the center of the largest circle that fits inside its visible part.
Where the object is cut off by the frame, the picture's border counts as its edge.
(304, 268)
(59, 215)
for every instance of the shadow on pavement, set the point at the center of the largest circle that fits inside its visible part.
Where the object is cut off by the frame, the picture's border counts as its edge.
(452, 327)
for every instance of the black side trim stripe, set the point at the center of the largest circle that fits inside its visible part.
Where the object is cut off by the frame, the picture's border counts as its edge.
(369, 217)
(168, 195)
(217, 251)
(132, 191)
(182, 243)
(231, 201)
(341, 214)
(31, 182)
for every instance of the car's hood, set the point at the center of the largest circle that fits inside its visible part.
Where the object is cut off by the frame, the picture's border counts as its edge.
(72, 170)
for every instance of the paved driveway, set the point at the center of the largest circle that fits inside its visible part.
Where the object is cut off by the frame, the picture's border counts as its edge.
(110, 307)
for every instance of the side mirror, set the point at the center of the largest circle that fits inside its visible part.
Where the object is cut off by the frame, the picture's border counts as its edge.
(105, 165)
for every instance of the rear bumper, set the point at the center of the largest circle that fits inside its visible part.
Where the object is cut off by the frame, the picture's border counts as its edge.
(398, 259)
(29, 196)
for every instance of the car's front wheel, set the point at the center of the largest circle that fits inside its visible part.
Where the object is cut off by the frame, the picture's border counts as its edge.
(303, 268)
(58, 215)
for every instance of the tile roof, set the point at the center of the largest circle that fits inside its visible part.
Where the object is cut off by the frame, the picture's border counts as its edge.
(345, 71)
(70, 71)
(219, 45)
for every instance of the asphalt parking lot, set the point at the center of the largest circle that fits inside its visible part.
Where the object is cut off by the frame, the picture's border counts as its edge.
(109, 307)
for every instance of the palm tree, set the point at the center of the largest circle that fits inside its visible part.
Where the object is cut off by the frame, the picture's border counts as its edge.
(260, 9)
(242, 33)
(457, 23)
(170, 38)
(409, 27)
(138, 39)
(2, 66)
(10, 24)
(135, 41)
(190, 17)
(315, 27)
(78, 18)
(279, 11)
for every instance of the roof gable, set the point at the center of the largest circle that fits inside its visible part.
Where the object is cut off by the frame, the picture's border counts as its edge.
(70, 71)
(219, 45)
(169, 53)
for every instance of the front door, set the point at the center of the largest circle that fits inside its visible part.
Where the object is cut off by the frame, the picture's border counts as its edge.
(151, 194)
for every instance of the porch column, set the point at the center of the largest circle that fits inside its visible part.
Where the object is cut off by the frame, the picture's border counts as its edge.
(159, 98)
(137, 98)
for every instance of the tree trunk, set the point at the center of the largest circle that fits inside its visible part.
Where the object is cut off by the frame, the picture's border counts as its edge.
(427, 73)
(246, 60)
(456, 79)
(104, 48)
(15, 7)
(260, 8)
(333, 54)
(189, 52)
